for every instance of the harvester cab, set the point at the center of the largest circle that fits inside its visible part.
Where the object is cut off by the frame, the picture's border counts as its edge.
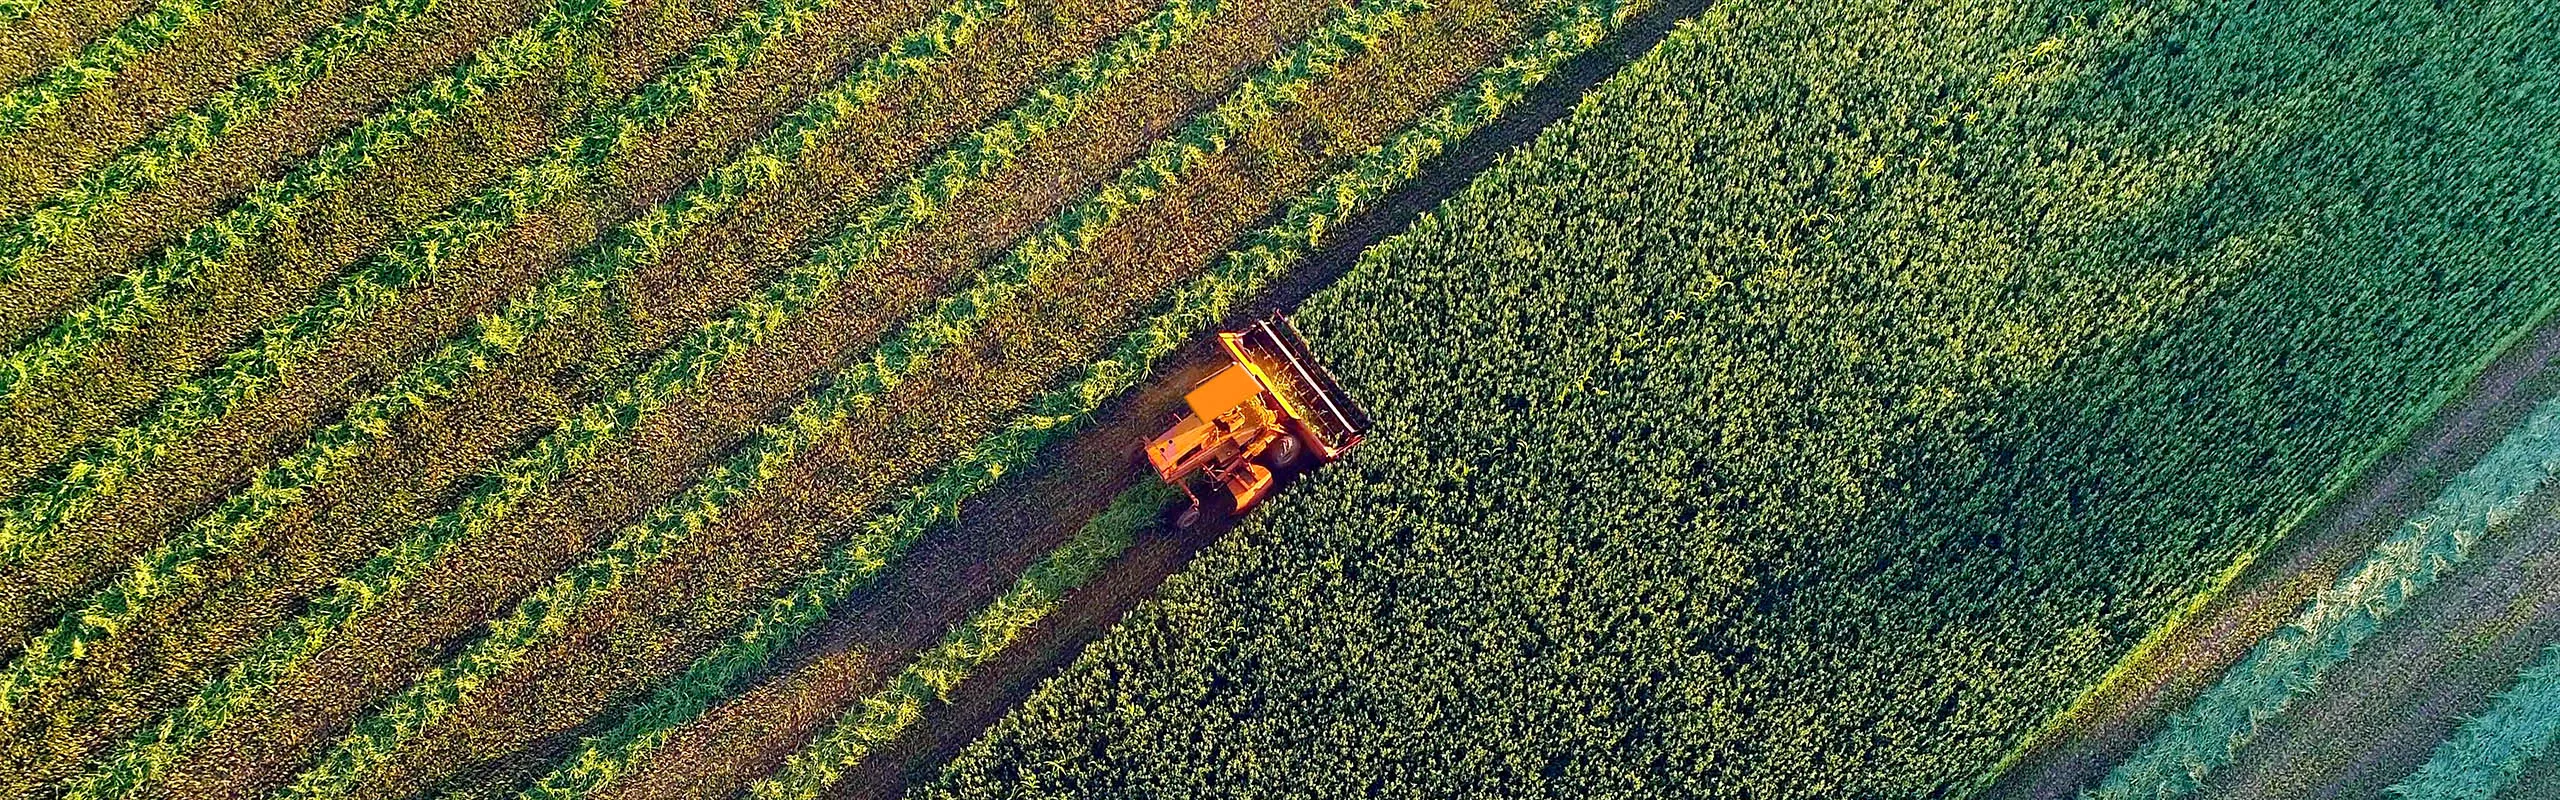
(1269, 411)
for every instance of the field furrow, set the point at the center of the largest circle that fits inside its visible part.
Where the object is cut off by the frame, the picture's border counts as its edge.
(246, 514)
(679, 367)
(136, 295)
(879, 717)
(32, 518)
(953, 320)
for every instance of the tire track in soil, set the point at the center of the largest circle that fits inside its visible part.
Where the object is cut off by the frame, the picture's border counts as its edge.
(1078, 477)
(2285, 575)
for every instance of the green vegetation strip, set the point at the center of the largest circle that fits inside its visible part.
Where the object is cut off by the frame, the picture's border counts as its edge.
(2490, 751)
(155, 160)
(14, 10)
(168, 569)
(767, 456)
(138, 293)
(30, 521)
(279, 487)
(880, 717)
(1242, 273)
(100, 61)
(2290, 661)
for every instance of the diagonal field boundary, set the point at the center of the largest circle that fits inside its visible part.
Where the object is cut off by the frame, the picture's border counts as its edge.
(2287, 663)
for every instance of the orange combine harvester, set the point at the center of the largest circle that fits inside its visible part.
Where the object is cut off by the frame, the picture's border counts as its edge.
(1269, 411)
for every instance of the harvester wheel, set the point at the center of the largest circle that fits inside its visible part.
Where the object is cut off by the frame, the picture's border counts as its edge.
(1188, 517)
(1283, 453)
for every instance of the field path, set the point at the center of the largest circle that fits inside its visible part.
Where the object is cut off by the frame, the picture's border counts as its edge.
(2109, 725)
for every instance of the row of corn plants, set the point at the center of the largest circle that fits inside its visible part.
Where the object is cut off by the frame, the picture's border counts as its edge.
(168, 569)
(154, 160)
(2206, 735)
(1241, 274)
(578, 438)
(136, 295)
(877, 719)
(2490, 751)
(30, 520)
(100, 61)
(769, 454)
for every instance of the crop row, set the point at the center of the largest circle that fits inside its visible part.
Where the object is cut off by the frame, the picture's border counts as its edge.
(139, 293)
(496, 338)
(953, 320)
(678, 370)
(2491, 750)
(155, 160)
(877, 719)
(99, 62)
(1828, 399)
(168, 569)
(1240, 274)
(2289, 662)
(30, 520)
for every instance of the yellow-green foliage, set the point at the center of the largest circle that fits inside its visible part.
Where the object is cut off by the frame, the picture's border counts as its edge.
(1833, 396)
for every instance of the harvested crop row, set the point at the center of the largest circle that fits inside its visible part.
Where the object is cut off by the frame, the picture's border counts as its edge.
(169, 569)
(136, 295)
(87, 112)
(1205, 300)
(27, 236)
(636, 242)
(675, 371)
(101, 61)
(412, 300)
(424, 460)
(881, 716)
(33, 517)
(14, 11)
(618, 489)
(953, 320)
(2206, 735)
(2491, 750)
(278, 349)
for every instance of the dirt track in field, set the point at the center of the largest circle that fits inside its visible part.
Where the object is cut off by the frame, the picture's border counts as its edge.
(2309, 558)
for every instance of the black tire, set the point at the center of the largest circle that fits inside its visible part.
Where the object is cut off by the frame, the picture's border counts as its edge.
(1188, 517)
(1284, 454)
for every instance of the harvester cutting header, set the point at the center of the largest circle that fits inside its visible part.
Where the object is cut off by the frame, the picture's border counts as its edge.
(1272, 409)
